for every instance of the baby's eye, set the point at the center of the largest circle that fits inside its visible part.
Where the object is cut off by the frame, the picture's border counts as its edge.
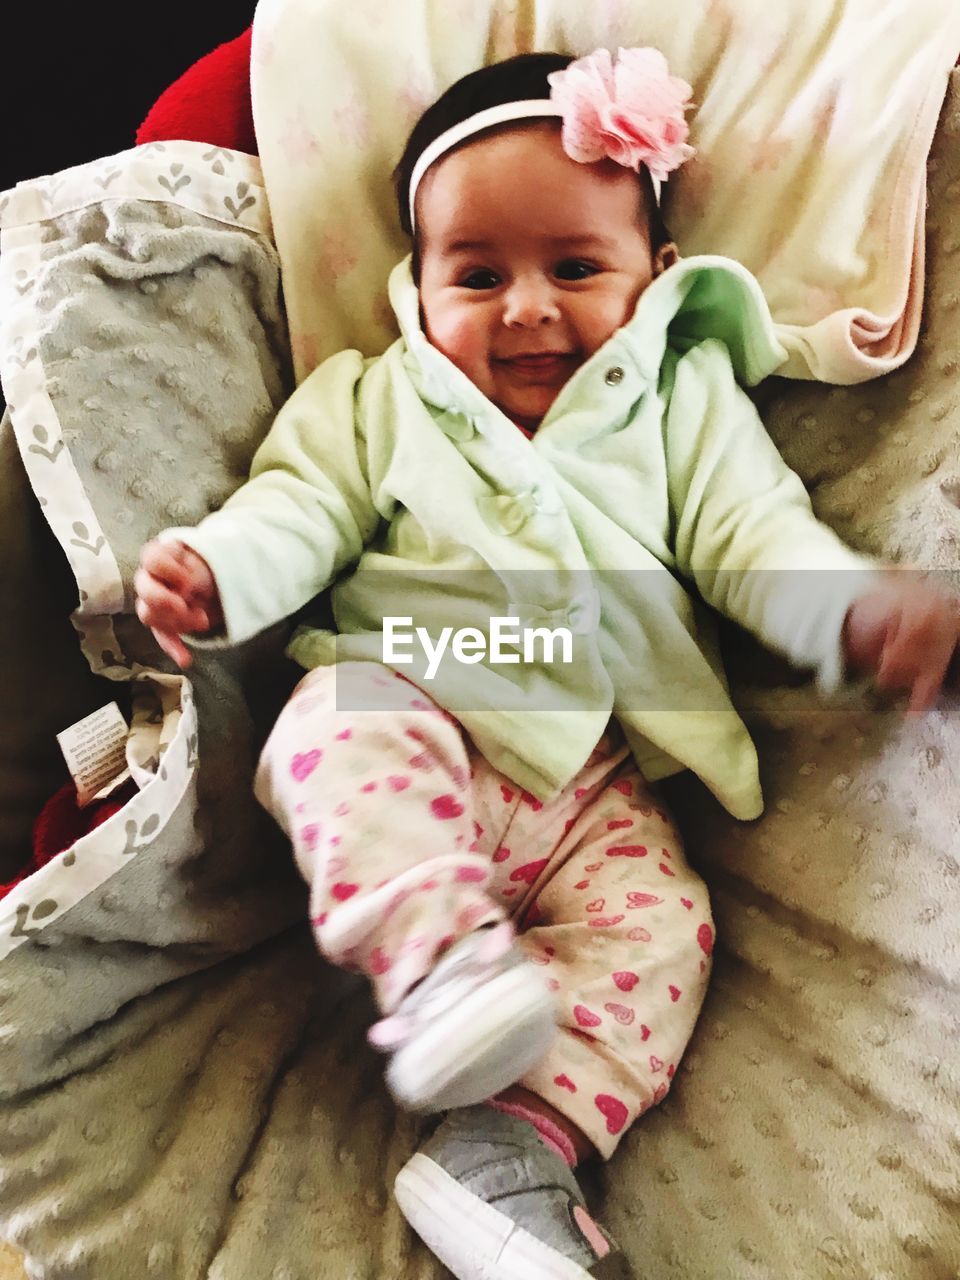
(575, 269)
(483, 278)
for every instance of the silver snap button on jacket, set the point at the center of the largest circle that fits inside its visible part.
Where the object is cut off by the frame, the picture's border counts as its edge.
(613, 377)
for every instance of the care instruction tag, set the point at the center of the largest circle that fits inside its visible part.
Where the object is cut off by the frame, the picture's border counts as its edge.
(95, 751)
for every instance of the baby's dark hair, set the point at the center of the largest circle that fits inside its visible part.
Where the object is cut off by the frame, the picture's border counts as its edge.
(512, 80)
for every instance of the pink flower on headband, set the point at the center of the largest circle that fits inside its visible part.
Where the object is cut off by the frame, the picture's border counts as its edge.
(631, 110)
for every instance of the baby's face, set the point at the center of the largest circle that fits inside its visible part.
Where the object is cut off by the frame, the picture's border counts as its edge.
(529, 262)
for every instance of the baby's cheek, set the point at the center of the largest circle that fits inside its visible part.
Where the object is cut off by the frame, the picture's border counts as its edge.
(626, 304)
(609, 313)
(463, 341)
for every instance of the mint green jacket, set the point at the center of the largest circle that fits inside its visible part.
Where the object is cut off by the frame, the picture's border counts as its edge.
(398, 481)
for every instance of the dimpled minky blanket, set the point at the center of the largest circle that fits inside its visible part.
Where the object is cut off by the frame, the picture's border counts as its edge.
(185, 1090)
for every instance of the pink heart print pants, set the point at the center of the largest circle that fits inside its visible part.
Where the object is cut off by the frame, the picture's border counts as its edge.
(409, 839)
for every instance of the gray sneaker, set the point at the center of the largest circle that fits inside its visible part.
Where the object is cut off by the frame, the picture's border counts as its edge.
(476, 1024)
(493, 1203)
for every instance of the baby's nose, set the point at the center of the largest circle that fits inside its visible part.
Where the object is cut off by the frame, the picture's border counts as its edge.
(530, 302)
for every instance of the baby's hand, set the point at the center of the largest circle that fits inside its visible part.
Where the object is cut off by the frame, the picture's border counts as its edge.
(905, 632)
(176, 593)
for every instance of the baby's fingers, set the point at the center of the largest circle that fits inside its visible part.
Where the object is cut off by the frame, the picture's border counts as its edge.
(177, 567)
(160, 607)
(923, 696)
(916, 656)
(163, 561)
(930, 679)
(173, 647)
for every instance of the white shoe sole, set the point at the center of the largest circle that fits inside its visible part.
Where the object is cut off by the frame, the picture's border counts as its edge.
(470, 1237)
(478, 1047)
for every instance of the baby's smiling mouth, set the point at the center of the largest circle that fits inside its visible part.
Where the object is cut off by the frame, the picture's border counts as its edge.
(539, 362)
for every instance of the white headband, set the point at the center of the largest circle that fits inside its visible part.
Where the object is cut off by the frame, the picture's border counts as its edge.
(528, 109)
(628, 109)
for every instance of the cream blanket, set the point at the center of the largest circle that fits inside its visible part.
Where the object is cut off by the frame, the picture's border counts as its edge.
(814, 124)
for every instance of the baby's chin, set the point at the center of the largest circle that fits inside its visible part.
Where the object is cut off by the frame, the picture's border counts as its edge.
(527, 417)
(527, 425)
(528, 409)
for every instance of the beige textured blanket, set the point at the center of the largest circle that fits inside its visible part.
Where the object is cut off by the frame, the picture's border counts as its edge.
(11, 1267)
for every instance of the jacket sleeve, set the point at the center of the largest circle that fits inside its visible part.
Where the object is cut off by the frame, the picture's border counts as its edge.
(744, 529)
(305, 513)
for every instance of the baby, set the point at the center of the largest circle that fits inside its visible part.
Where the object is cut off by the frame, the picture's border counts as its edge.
(557, 437)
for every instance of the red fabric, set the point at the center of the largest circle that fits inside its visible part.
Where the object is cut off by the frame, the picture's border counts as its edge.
(61, 823)
(210, 102)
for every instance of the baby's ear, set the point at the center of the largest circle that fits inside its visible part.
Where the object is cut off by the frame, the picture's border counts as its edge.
(665, 257)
